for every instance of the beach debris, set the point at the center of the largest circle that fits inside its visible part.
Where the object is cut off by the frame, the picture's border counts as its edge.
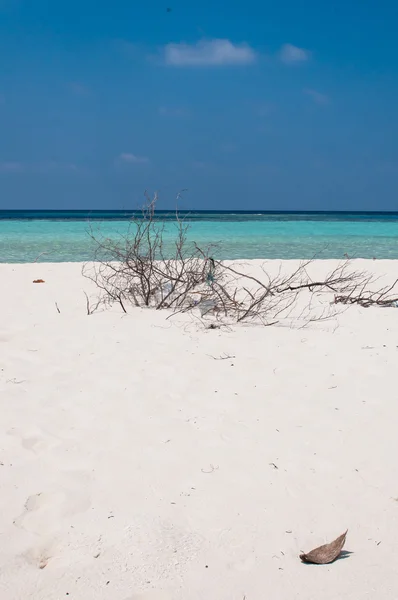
(211, 272)
(211, 470)
(207, 306)
(224, 356)
(39, 281)
(43, 563)
(327, 553)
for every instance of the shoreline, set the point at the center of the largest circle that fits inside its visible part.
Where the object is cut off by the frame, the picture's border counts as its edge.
(149, 459)
(229, 260)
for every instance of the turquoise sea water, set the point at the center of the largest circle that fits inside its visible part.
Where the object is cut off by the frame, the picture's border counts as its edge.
(63, 236)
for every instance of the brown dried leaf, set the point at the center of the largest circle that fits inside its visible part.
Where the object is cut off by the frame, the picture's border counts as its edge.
(38, 281)
(327, 553)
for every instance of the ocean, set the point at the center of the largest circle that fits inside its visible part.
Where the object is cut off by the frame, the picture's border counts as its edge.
(62, 236)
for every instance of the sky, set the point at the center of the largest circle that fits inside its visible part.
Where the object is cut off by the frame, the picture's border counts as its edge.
(245, 104)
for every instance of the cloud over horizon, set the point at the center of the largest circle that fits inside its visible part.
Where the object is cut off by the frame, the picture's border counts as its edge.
(292, 55)
(132, 159)
(215, 52)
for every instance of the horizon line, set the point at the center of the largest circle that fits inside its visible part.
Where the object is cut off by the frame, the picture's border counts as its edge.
(196, 210)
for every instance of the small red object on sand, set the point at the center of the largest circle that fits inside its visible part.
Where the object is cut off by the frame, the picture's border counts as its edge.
(39, 281)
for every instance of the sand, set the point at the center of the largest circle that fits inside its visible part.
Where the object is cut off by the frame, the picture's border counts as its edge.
(134, 465)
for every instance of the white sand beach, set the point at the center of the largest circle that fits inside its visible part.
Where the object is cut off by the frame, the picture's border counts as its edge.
(151, 459)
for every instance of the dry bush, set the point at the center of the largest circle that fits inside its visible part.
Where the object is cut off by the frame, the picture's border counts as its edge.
(142, 270)
(139, 269)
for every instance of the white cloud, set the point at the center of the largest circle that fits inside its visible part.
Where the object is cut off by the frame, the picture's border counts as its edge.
(132, 159)
(216, 52)
(292, 55)
(317, 97)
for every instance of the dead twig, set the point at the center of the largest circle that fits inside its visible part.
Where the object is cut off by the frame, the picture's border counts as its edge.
(43, 254)
(88, 309)
(212, 469)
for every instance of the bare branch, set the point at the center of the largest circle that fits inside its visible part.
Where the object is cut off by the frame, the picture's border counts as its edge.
(155, 265)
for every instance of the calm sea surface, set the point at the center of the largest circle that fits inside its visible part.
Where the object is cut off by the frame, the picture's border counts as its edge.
(55, 236)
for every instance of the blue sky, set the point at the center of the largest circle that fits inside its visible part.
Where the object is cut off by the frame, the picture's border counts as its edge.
(248, 104)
